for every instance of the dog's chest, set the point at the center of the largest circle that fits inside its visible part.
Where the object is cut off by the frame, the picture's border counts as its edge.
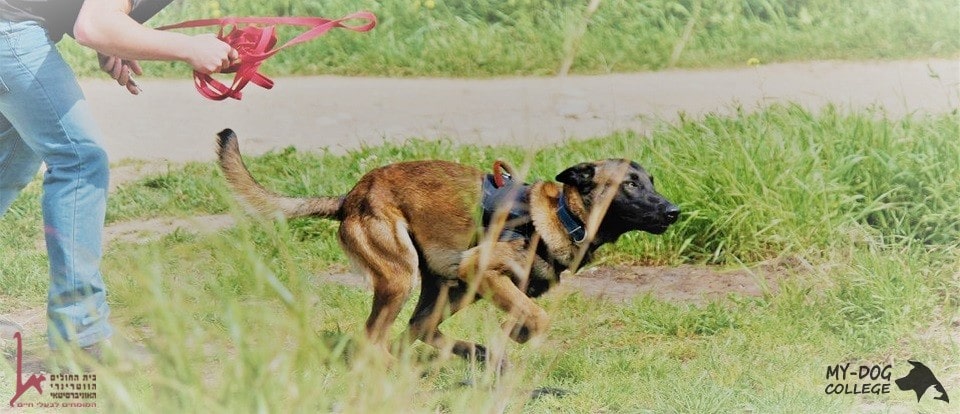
(507, 209)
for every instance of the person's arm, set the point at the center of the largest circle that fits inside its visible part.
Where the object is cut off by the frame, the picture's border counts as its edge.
(105, 26)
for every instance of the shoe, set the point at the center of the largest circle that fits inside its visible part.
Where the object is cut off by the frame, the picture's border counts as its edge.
(118, 353)
(114, 353)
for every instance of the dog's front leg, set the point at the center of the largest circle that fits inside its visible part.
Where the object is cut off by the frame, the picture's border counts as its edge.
(529, 320)
(492, 279)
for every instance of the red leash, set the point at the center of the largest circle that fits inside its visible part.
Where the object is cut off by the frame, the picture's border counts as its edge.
(255, 44)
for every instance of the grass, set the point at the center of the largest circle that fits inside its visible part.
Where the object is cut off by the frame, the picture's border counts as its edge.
(531, 37)
(240, 321)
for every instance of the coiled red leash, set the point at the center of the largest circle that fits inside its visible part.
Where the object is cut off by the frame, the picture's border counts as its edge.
(255, 44)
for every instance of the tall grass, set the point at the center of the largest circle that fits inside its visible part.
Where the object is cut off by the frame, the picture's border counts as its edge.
(787, 181)
(532, 37)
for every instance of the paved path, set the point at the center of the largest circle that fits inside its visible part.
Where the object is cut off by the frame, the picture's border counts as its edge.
(170, 121)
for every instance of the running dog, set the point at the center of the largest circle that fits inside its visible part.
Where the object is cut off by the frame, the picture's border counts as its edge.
(421, 218)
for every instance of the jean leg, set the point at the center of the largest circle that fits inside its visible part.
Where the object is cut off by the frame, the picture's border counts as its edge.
(18, 164)
(45, 105)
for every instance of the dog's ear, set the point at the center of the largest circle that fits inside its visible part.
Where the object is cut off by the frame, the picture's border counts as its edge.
(579, 176)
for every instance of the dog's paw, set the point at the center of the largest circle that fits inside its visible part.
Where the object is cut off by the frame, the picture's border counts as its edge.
(480, 353)
(548, 392)
(471, 352)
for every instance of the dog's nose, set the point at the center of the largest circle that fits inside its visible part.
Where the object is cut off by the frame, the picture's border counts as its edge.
(671, 213)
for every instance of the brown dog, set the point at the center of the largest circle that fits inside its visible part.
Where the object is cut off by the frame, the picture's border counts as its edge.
(419, 218)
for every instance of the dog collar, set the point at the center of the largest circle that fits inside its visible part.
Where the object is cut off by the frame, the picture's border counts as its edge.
(574, 227)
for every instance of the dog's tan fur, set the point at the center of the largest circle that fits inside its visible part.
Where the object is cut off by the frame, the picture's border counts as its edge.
(419, 218)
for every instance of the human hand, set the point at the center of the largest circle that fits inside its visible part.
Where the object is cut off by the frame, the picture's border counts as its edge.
(208, 54)
(121, 70)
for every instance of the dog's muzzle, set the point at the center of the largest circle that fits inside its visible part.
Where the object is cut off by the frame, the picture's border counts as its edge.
(667, 214)
(671, 213)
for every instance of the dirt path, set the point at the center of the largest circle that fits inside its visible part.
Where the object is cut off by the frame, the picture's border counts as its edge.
(171, 122)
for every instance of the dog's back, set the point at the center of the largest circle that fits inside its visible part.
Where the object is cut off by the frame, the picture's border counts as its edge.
(408, 191)
(433, 197)
(431, 203)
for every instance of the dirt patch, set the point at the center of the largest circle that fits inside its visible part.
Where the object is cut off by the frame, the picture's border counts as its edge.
(144, 231)
(346, 279)
(684, 284)
(149, 230)
(129, 172)
(31, 321)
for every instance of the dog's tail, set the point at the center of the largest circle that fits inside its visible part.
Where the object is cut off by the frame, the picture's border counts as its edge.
(258, 199)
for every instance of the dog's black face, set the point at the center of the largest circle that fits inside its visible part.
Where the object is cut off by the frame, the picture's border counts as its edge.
(634, 203)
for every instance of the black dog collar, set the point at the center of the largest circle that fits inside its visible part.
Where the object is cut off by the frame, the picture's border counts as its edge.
(574, 227)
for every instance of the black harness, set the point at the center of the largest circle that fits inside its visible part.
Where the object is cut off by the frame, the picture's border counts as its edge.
(519, 225)
(514, 199)
(513, 196)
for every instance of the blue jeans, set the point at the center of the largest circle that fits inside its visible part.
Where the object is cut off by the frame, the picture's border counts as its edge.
(45, 117)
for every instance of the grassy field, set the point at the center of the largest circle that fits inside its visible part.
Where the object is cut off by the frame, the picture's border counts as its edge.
(535, 37)
(863, 210)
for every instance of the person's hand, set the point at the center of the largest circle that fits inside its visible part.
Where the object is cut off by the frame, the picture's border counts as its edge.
(207, 54)
(121, 70)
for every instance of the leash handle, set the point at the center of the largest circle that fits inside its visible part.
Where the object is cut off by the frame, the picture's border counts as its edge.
(256, 44)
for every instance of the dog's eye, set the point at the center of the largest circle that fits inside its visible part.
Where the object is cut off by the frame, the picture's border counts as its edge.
(631, 184)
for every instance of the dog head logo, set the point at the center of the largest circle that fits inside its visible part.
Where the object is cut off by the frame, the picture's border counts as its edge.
(34, 381)
(919, 380)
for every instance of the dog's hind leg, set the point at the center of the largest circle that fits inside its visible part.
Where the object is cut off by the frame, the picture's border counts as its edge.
(384, 250)
(440, 299)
